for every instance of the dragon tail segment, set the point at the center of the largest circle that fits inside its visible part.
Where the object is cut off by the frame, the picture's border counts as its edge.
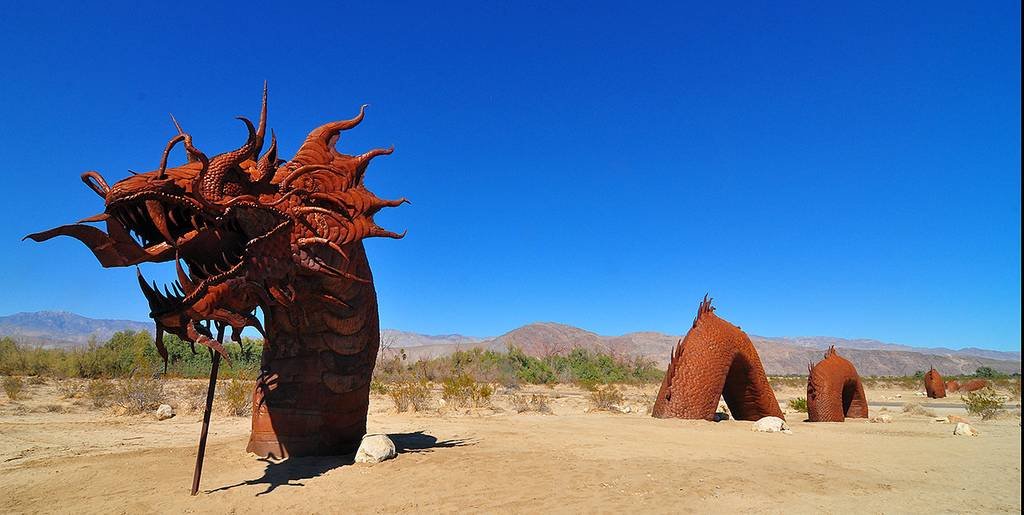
(933, 384)
(834, 390)
(715, 359)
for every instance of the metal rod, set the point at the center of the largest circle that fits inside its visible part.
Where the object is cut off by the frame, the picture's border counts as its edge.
(206, 423)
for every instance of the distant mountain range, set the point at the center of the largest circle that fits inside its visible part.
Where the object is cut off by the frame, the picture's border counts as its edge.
(63, 329)
(780, 355)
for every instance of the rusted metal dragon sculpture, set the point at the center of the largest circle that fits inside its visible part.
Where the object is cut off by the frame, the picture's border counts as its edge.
(933, 384)
(246, 230)
(715, 359)
(834, 390)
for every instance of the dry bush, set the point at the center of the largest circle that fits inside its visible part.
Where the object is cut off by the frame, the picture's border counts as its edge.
(50, 408)
(535, 402)
(195, 396)
(798, 404)
(37, 380)
(70, 388)
(985, 403)
(606, 398)
(138, 393)
(410, 395)
(13, 386)
(462, 391)
(237, 394)
(913, 408)
(99, 391)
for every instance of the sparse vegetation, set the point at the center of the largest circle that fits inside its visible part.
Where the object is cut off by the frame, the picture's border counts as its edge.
(99, 391)
(913, 408)
(410, 394)
(798, 404)
(523, 403)
(13, 386)
(125, 353)
(70, 388)
(606, 398)
(138, 393)
(514, 367)
(462, 391)
(237, 394)
(985, 403)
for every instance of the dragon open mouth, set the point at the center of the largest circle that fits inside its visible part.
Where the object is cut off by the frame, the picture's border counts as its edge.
(206, 251)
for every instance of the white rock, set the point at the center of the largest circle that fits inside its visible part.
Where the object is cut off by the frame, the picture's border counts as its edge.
(963, 429)
(375, 449)
(164, 412)
(771, 425)
(884, 418)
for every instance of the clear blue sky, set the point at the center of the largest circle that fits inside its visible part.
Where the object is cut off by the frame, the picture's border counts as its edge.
(849, 170)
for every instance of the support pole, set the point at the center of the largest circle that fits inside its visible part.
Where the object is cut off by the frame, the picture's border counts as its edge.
(206, 423)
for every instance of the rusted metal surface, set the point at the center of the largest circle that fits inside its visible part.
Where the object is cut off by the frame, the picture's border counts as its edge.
(201, 451)
(715, 359)
(834, 390)
(247, 230)
(933, 384)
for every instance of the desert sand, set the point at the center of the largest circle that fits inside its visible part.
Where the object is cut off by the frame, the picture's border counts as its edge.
(60, 456)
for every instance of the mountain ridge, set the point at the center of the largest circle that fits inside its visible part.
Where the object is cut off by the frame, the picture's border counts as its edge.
(780, 355)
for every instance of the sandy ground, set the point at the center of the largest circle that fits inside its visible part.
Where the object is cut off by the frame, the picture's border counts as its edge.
(59, 456)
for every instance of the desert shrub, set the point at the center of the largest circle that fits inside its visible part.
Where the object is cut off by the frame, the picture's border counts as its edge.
(99, 391)
(70, 388)
(237, 394)
(798, 404)
(195, 396)
(524, 403)
(985, 403)
(913, 408)
(410, 394)
(378, 386)
(606, 398)
(13, 387)
(463, 391)
(138, 393)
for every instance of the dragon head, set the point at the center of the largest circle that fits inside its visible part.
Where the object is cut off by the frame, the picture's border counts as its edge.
(239, 226)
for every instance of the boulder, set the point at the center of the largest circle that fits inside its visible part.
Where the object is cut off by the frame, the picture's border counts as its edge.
(964, 429)
(375, 449)
(164, 412)
(771, 425)
(884, 418)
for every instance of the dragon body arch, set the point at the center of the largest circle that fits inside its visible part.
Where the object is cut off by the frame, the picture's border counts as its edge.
(714, 360)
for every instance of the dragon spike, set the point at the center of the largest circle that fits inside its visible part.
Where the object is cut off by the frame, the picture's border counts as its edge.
(167, 151)
(261, 129)
(190, 154)
(211, 178)
(321, 140)
(377, 204)
(95, 182)
(266, 167)
(380, 232)
(183, 278)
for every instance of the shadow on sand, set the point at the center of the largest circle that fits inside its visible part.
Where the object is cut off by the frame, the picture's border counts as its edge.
(292, 471)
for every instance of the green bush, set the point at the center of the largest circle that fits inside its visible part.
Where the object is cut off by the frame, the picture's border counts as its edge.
(985, 403)
(463, 391)
(13, 386)
(798, 404)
